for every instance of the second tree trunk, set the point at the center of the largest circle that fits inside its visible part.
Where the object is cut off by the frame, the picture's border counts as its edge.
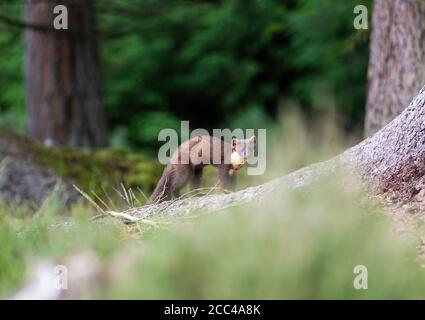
(397, 59)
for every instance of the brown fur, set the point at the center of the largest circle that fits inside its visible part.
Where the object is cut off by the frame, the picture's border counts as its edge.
(177, 175)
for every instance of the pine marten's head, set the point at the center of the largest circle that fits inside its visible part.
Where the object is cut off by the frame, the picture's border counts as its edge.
(242, 150)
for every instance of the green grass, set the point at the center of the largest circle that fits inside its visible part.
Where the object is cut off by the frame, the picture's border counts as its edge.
(304, 245)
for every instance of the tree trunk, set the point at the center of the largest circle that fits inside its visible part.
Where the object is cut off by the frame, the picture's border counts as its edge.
(391, 160)
(397, 59)
(64, 100)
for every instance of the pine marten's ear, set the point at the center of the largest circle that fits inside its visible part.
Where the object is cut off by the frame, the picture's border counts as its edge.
(234, 143)
(253, 139)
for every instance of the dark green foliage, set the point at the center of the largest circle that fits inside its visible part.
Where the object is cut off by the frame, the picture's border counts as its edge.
(329, 57)
(215, 63)
(12, 110)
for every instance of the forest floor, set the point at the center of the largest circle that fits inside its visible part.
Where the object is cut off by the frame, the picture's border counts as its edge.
(295, 243)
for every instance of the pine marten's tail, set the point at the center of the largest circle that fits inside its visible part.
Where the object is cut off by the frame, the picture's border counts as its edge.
(162, 188)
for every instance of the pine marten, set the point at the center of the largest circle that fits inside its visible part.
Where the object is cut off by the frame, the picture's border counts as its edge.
(188, 161)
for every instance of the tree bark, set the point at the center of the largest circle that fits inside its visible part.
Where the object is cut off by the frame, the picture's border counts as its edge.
(397, 59)
(391, 160)
(64, 100)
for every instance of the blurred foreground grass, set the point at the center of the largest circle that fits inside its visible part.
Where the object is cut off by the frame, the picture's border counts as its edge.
(300, 244)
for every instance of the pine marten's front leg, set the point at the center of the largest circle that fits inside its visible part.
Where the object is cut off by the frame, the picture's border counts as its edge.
(227, 180)
(196, 179)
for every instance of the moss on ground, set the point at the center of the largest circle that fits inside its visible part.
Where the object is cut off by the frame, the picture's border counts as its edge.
(92, 170)
(101, 169)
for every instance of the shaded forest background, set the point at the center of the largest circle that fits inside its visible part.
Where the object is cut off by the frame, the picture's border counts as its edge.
(232, 63)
